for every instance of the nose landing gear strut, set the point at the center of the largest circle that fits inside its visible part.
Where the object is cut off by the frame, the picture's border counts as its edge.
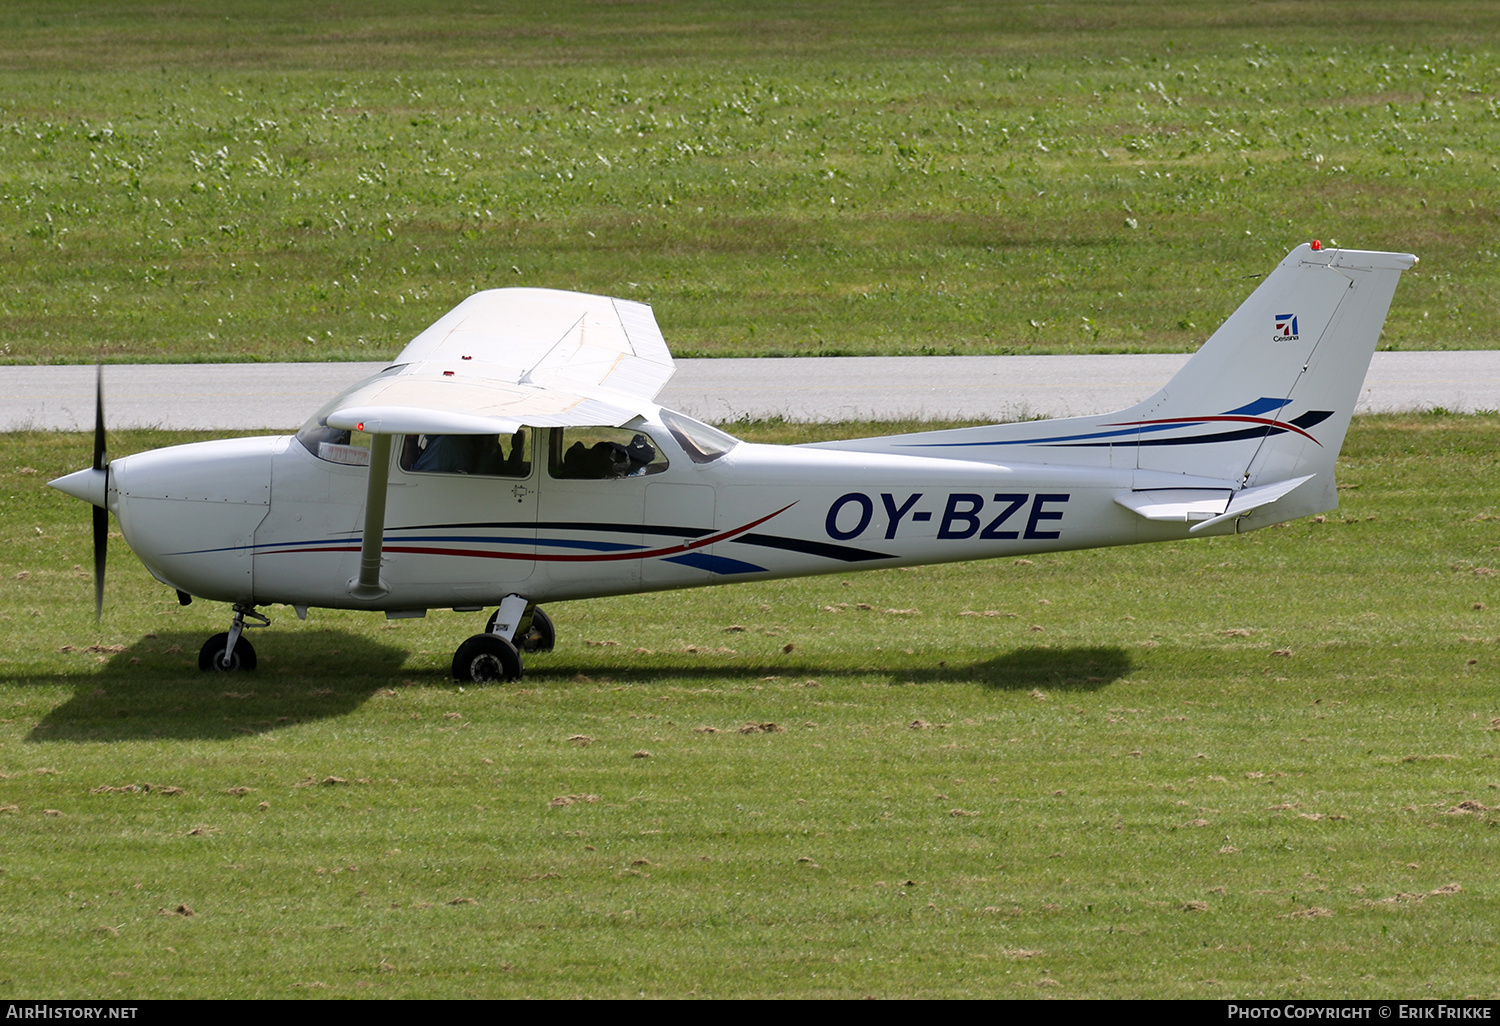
(229, 652)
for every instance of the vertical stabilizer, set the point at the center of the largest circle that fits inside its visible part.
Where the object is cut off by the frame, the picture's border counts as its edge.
(1266, 400)
(1270, 394)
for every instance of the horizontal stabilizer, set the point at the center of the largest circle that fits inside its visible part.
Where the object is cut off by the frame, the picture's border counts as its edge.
(1253, 498)
(1204, 507)
(1177, 505)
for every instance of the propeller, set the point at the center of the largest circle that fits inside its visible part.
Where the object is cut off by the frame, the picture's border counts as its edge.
(101, 514)
(92, 486)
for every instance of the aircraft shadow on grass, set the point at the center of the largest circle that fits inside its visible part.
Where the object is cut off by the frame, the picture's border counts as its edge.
(154, 689)
(1055, 669)
(1022, 669)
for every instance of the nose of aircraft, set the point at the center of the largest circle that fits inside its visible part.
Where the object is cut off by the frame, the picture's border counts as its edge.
(90, 485)
(190, 511)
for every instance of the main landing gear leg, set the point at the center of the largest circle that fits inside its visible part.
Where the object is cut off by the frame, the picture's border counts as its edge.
(493, 656)
(229, 652)
(508, 618)
(534, 633)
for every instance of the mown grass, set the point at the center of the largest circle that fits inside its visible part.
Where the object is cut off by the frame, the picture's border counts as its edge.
(285, 181)
(1257, 766)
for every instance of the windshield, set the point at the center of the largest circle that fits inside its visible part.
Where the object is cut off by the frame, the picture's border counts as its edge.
(703, 443)
(338, 445)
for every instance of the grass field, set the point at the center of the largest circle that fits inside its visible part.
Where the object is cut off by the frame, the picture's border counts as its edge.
(259, 180)
(1256, 766)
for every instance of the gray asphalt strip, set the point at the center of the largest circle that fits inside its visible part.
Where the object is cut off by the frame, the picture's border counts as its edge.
(281, 396)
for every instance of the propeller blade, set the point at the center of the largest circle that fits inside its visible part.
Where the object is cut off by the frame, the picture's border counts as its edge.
(101, 515)
(101, 538)
(99, 416)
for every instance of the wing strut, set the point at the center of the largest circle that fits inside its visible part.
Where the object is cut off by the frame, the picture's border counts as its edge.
(368, 584)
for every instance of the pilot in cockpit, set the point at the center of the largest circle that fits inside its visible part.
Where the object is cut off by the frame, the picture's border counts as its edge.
(604, 460)
(467, 454)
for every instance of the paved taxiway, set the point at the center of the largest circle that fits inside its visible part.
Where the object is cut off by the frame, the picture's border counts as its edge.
(280, 396)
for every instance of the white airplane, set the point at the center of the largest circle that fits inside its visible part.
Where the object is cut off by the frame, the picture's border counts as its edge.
(513, 455)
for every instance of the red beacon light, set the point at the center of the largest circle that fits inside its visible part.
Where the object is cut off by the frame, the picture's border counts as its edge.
(1316, 245)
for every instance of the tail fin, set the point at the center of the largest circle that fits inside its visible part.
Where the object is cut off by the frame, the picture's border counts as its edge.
(1266, 400)
(1270, 394)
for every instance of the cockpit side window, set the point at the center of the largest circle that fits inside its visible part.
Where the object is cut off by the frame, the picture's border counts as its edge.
(602, 453)
(507, 455)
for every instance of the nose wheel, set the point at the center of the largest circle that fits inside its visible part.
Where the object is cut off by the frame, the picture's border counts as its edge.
(217, 655)
(229, 652)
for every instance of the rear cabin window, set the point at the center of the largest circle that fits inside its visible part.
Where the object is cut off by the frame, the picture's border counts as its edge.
(603, 453)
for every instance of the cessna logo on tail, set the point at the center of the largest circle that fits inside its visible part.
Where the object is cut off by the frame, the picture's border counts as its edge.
(1286, 328)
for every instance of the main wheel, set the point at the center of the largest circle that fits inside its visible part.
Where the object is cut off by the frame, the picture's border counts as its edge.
(538, 636)
(214, 655)
(486, 659)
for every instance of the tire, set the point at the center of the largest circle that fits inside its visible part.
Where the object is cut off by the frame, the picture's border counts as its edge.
(486, 659)
(539, 636)
(211, 655)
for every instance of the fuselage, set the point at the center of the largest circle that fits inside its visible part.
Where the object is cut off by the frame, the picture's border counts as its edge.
(268, 520)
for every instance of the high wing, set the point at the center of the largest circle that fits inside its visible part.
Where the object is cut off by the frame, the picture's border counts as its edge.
(508, 357)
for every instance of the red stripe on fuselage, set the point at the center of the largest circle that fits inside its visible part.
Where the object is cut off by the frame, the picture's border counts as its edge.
(548, 557)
